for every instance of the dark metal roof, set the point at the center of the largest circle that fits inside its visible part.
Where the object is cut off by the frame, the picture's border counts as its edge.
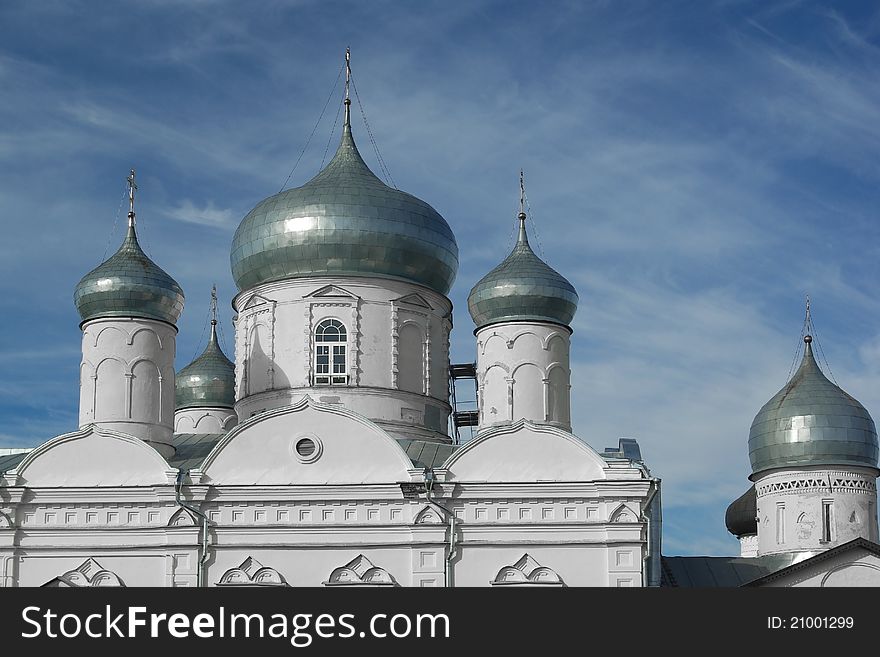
(10, 461)
(344, 221)
(522, 288)
(129, 284)
(425, 454)
(742, 515)
(192, 449)
(209, 381)
(811, 421)
(719, 572)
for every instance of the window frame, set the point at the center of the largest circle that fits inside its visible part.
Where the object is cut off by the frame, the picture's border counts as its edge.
(330, 354)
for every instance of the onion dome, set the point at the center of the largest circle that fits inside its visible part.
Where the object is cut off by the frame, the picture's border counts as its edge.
(742, 515)
(344, 222)
(209, 381)
(522, 288)
(811, 421)
(129, 284)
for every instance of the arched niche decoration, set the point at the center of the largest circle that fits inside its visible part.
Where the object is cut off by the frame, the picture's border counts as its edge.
(252, 573)
(360, 571)
(88, 574)
(527, 572)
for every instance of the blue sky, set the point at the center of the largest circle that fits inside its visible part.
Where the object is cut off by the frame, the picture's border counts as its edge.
(694, 168)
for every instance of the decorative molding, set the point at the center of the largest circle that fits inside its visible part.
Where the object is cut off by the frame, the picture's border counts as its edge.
(256, 301)
(89, 573)
(623, 514)
(251, 315)
(840, 482)
(395, 347)
(360, 571)
(527, 572)
(252, 573)
(331, 291)
(414, 299)
(182, 518)
(428, 516)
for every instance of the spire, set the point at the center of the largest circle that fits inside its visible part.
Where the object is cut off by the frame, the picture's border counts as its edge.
(213, 315)
(808, 360)
(132, 186)
(347, 120)
(523, 238)
(808, 323)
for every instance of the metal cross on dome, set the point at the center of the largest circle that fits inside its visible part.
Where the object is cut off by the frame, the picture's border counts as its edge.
(132, 186)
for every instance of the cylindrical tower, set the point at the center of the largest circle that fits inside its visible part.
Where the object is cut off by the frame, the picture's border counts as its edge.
(129, 308)
(343, 298)
(523, 309)
(813, 450)
(205, 389)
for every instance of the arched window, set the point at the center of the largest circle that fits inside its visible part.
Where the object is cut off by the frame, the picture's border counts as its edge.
(331, 357)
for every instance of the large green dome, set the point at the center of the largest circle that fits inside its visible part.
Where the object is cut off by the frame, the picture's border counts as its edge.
(129, 284)
(209, 381)
(522, 288)
(345, 221)
(811, 421)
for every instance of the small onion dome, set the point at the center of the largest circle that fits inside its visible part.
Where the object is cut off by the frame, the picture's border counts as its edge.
(209, 381)
(742, 515)
(811, 421)
(344, 222)
(129, 284)
(522, 288)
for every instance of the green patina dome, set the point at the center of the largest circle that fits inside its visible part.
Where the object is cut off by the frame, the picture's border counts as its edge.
(811, 421)
(209, 381)
(522, 288)
(742, 514)
(129, 284)
(345, 221)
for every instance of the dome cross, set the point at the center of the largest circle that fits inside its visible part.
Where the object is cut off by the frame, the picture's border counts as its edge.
(347, 101)
(132, 187)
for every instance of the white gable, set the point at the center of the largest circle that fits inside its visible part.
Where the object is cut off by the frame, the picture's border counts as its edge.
(331, 291)
(93, 457)
(845, 566)
(525, 452)
(342, 447)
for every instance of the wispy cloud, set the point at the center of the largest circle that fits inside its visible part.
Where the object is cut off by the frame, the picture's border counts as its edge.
(207, 215)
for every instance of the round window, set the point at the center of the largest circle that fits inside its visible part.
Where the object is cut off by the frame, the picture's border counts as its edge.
(307, 448)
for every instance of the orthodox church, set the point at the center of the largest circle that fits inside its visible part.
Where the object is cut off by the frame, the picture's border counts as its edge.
(810, 516)
(327, 453)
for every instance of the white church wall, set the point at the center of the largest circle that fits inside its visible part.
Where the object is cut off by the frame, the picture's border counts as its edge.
(343, 448)
(351, 512)
(204, 420)
(523, 372)
(855, 567)
(524, 451)
(275, 350)
(92, 457)
(792, 508)
(127, 378)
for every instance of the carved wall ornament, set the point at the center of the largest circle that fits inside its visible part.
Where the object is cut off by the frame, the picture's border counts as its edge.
(252, 573)
(527, 572)
(89, 573)
(360, 571)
